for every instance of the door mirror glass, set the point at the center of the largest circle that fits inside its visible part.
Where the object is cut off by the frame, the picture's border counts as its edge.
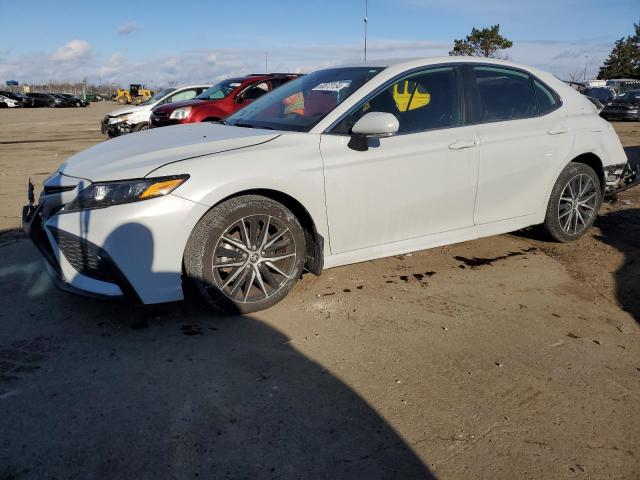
(376, 125)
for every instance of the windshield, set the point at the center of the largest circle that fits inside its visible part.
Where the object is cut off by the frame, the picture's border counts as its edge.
(158, 96)
(300, 104)
(599, 93)
(635, 95)
(220, 90)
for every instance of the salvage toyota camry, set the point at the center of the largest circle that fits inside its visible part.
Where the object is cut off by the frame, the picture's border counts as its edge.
(339, 166)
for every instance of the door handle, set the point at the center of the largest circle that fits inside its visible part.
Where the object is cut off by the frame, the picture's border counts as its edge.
(558, 131)
(463, 143)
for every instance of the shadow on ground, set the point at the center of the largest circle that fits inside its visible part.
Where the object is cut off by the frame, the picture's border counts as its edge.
(621, 230)
(102, 390)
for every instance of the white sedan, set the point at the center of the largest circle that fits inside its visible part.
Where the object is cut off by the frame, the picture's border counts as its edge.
(135, 118)
(339, 166)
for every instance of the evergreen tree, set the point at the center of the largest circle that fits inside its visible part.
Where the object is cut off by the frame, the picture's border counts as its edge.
(624, 59)
(481, 43)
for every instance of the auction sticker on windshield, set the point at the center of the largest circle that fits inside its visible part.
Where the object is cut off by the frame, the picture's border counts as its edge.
(333, 86)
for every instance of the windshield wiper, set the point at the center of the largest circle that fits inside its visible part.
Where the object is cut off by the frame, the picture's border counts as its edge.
(248, 125)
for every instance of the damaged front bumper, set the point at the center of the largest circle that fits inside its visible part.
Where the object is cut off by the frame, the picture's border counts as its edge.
(619, 178)
(114, 129)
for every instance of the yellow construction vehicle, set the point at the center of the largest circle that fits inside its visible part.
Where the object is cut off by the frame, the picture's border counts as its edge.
(136, 94)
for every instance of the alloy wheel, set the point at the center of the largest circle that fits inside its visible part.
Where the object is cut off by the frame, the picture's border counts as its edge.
(253, 259)
(578, 203)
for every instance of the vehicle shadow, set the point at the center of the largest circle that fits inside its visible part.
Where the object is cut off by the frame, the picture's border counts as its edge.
(94, 389)
(621, 230)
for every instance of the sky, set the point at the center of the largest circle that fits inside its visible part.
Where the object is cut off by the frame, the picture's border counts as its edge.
(161, 43)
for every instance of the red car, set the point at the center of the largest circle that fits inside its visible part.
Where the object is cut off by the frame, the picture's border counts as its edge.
(218, 101)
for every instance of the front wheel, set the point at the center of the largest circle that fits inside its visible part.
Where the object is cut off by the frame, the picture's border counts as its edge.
(140, 127)
(245, 254)
(574, 203)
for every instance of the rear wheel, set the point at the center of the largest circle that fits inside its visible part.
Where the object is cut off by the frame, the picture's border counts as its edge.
(574, 203)
(246, 254)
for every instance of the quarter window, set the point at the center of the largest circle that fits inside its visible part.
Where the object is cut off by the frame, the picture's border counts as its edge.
(504, 94)
(423, 101)
(547, 101)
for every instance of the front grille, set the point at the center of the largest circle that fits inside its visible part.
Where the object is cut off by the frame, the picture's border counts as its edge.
(159, 115)
(87, 258)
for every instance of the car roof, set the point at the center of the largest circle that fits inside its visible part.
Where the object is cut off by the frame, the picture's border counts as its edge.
(408, 63)
(182, 87)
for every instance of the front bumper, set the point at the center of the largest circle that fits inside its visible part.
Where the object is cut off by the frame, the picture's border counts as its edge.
(164, 121)
(132, 251)
(81, 254)
(114, 129)
(620, 115)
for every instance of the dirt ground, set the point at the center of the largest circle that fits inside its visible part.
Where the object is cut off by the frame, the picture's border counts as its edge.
(506, 357)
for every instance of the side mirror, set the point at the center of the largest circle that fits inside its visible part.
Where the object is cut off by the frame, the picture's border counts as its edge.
(376, 125)
(239, 99)
(372, 125)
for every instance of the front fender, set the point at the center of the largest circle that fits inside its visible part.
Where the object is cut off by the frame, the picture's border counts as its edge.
(290, 164)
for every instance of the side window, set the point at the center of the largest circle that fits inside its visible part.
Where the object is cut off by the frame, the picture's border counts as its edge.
(505, 94)
(423, 101)
(184, 95)
(256, 91)
(547, 101)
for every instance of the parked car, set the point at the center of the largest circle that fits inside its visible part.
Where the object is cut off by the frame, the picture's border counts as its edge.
(6, 102)
(77, 102)
(332, 168)
(219, 101)
(623, 107)
(624, 84)
(44, 100)
(96, 97)
(22, 99)
(135, 118)
(603, 94)
(64, 101)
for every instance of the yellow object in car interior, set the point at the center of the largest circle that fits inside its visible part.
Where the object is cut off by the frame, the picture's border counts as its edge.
(408, 91)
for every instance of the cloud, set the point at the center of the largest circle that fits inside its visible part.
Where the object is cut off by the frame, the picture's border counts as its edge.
(128, 28)
(72, 51)
(204, 65)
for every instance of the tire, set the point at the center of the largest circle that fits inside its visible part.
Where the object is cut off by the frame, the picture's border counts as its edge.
(236, 278)
(121, 100)
(140, 127)
(574, 203)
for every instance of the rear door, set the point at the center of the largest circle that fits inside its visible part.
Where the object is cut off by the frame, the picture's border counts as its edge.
(523, 135)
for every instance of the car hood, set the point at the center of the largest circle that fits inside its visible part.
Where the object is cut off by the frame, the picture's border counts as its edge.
(170, 107)
(136, 155)
(125, 110)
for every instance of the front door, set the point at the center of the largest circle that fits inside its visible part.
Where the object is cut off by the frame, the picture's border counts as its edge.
(419, 182)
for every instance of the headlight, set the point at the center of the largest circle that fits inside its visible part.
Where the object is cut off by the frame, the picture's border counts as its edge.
(180, 113)
(120, 118)
(105, 194)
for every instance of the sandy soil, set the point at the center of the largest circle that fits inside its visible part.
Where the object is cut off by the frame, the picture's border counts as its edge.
(506, 357)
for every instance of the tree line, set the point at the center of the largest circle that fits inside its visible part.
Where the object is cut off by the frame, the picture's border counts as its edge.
(623, 61)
